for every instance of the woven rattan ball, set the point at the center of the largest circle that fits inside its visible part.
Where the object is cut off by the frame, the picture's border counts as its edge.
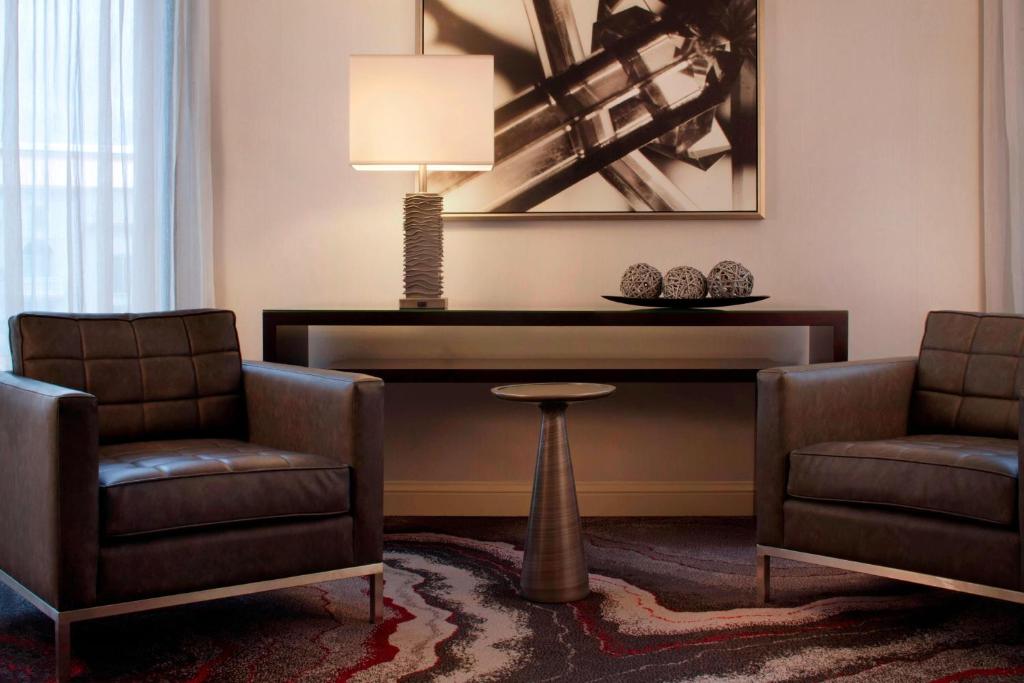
(641, 280)
(685, 282)
(729, 279)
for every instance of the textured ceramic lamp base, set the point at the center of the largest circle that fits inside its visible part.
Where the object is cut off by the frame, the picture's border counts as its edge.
(424, 252)
(554, 567)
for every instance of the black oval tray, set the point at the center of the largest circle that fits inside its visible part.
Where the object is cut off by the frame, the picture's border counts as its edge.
(684, 303)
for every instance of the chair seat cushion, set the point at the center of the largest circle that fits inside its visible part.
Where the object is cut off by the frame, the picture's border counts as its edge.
(158, 486)
(963, 476)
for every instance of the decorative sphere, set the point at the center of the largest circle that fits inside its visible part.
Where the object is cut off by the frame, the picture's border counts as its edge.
(729, 279)
(685, 282)
(641, 281)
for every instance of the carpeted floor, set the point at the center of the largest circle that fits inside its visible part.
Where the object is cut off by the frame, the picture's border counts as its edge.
(672, 600)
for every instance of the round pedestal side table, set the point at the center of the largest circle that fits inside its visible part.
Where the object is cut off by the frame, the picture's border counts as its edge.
(554, 568)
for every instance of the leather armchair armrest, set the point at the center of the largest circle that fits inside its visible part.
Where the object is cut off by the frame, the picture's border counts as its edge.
(49, 490)
(802, 405)
(335, 414)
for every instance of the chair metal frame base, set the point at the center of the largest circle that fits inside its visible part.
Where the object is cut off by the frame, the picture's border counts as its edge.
(766, 552)
(62, 620)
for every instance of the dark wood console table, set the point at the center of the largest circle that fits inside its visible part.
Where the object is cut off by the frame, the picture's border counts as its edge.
(286, 340)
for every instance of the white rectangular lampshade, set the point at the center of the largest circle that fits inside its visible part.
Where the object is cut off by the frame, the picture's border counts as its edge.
(407, 111)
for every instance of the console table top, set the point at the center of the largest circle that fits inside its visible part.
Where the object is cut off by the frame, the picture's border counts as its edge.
(582, 317)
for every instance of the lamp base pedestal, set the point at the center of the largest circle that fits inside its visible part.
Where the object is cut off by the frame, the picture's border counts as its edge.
(423, 303)
(424, 252)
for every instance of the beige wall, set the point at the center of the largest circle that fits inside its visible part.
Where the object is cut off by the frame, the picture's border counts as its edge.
(872, 135)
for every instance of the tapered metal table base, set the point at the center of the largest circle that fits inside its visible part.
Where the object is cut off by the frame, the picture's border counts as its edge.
(554, 568)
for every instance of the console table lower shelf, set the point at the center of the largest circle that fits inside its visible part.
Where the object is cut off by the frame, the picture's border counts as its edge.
(557, 369)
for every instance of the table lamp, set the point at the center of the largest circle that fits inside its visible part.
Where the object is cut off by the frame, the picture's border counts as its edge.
(422, 113)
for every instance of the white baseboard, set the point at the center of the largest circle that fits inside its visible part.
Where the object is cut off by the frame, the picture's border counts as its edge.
(596, 498)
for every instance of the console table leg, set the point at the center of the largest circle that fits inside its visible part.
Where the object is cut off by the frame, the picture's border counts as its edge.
(554, 567)
(828, 344)
(292, 345)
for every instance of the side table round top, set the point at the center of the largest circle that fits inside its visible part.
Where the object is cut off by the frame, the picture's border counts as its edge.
(552, 391)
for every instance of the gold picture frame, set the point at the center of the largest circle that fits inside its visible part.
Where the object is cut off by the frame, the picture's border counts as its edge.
(758, 166)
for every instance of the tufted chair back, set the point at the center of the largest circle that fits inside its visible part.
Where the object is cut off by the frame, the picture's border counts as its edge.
(154, 376)
(969, 375)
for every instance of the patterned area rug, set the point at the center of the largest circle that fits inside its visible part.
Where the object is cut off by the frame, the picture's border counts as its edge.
(671, 600)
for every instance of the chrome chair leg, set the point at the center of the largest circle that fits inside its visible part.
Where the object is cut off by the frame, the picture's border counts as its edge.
(62, 647)
(376, 598)
(764, 578)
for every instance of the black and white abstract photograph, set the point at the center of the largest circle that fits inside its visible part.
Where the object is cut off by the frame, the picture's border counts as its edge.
(606, 107)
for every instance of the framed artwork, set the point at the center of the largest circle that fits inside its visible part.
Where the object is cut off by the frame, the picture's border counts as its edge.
(610, 108)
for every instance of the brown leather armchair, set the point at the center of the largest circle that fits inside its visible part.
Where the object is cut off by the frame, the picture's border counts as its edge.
(904, 468)
(143, 464)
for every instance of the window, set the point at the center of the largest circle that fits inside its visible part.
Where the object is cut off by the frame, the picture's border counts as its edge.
(95, 100)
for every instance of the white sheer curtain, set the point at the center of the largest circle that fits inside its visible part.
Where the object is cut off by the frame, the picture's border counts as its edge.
(1003, 153)
(105, 174)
